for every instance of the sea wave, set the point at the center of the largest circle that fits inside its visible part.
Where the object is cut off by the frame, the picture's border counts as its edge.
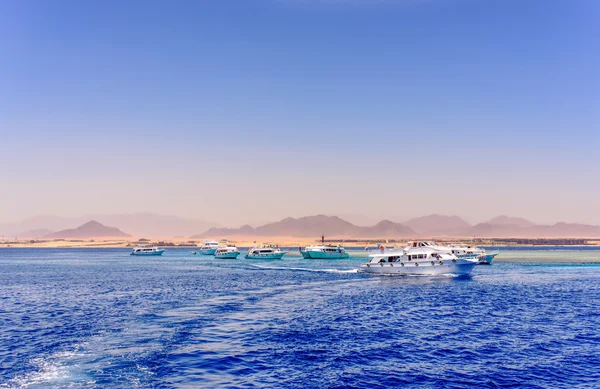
(104, 319)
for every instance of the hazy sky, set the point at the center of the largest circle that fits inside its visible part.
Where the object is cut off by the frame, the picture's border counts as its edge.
(253, 110)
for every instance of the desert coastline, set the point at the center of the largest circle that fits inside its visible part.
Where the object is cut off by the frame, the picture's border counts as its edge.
(149, 229)
(288, 241)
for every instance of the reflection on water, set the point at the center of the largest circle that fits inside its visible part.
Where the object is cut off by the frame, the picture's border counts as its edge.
(85, 318)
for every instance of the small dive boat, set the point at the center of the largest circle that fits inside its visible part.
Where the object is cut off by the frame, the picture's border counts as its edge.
(417, 261)
(209, 247)
(484, 258)
(323, 252)
(487, 258)
(265, 253)
(147, 251)
(193, 253)
(461, 251)
(227, 252)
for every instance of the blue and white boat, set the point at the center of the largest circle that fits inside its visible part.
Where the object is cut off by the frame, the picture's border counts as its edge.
(265, 253)
(417, 260)
(229, 252)
(324, 252)
(461, 251)
(483, 257)
(146, 251)
(487, 258)
(209, 247)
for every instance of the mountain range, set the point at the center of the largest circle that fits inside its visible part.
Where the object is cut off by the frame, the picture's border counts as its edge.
(426, 226)
(310, 226)
(143, 224)
(151, 225)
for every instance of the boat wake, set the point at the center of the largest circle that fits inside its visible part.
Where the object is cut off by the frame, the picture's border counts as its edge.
(404, 275)
(347, 271)
(54, 369)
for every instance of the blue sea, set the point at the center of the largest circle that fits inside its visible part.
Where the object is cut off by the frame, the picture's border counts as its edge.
(100, 318)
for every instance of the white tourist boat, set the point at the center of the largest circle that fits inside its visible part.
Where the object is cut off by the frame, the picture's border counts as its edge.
(265, 253)
(483, 257)
(209, 247)
(227, 252)
(139, 250)
(324, 252)
(461, 251)
(418, 260)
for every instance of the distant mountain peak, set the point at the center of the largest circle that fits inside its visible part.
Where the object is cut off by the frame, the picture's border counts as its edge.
(504, 220)
(436, 225)
(91, 224)
(314, 226)
(91, 229)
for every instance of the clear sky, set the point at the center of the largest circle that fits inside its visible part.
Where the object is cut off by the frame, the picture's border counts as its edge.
(253, 110)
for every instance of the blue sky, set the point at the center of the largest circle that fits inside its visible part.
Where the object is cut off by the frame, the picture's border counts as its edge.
(260, 109)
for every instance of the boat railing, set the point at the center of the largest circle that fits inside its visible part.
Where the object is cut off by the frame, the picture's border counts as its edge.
(385, 250)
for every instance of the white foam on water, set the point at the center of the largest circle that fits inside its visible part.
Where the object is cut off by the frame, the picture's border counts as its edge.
(306, 269)
(338, 270)
(49, 370)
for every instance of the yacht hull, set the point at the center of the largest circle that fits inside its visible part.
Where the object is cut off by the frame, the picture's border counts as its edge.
(227, 256)
(325, 255)
(265, 256)
(424, 268)
(148, 254)
(487, 259)
(207, 251)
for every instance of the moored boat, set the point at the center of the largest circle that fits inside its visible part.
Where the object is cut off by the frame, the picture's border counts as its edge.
(146, 251)
(417, 261)
(487, 258)
(209, 247)
(227, 252)
(265, 253)
(461, 251)
(484, 258)
(324, 252)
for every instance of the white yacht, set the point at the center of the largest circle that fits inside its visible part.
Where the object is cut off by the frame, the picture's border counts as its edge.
(139, 250)
(483, 257)
(461, 251)
(417, 260)
(324, 252)
(265, 253)
(209, 247)
(227, 252)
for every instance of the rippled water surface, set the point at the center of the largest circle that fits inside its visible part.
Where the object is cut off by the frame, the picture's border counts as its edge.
(101, 318)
